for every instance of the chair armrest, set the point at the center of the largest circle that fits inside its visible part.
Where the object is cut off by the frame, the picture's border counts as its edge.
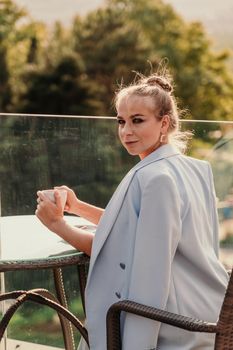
(43, 297)
(113, 320)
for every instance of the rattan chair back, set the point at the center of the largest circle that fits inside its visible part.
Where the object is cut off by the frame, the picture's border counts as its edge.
(224, 336)
(223, 328)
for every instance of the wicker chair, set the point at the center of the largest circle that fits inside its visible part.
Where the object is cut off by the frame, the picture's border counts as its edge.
(44, 297)
(223, 328)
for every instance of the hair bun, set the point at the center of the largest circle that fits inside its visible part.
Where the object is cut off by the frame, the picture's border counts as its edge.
(160, 81)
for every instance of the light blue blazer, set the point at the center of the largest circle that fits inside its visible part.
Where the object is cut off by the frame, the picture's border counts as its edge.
(157, 244)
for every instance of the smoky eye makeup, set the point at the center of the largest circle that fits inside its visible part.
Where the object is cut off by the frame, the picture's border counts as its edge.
(119, 120)
(138, 120)
(135, 119)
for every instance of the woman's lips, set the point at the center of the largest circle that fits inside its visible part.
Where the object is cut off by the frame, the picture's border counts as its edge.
(130, 142)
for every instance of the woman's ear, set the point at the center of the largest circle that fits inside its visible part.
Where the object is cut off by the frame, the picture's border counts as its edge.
(165, 124)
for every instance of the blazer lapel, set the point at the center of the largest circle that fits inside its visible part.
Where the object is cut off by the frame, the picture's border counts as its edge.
(113, 207)
(109, 217)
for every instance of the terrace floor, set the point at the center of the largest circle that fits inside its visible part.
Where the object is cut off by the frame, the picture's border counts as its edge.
(21, 345)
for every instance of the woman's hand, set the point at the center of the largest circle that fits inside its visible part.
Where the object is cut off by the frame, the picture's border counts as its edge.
(71, 201)
(80, 208)
(49, 213)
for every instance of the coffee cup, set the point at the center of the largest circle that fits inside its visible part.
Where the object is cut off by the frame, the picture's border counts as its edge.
(50, 194)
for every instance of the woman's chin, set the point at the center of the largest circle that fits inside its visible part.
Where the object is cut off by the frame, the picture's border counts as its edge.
(132, 153)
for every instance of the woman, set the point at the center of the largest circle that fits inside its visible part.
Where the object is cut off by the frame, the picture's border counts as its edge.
(157, 240)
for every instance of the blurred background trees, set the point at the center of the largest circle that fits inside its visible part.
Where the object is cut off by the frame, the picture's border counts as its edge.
(76, 70)
(9, 15)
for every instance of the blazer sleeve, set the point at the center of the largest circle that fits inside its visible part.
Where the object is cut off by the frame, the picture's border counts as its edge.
(157, 236)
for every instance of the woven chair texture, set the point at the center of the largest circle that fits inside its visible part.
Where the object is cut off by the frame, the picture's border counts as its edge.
(223, 328)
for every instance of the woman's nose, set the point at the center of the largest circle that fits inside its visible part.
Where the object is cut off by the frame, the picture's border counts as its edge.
(127, 130)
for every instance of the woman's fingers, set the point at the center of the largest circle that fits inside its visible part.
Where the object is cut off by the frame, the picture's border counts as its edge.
(63, 187)
(42, 196)
(58, 202)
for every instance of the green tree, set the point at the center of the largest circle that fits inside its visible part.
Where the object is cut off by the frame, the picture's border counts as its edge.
(110, 49)
(9, 15)
(5, 90)
(61, 89)
(126, 34)
(59, 45)
(20, 46)
(203, 82)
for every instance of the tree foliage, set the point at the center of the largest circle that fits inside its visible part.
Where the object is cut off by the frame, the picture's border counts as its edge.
(20, 40)
(9, 15)
(64, 89)
(110, 49)
(203, 83)
(77, 69)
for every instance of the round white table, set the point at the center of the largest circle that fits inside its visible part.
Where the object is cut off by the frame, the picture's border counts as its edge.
(25, 243)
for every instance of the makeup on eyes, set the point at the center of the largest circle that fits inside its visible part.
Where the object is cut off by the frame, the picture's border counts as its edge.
(136, 118)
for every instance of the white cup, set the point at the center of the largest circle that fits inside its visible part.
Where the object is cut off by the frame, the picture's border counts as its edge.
(50, 195)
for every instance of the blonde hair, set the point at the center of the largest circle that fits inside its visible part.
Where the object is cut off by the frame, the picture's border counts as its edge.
(160, 89)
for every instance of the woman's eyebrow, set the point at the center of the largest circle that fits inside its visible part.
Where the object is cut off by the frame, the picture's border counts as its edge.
(137, 115)
(131, 116)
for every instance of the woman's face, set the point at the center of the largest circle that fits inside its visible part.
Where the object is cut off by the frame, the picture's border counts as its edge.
(139, 130)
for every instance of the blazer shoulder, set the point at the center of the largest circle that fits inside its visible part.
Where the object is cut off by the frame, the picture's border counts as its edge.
(154, 169)
(159, 172)
(201, 162)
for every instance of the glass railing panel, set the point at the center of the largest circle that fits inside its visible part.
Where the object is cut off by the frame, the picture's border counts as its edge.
(38, 153)
(84, 153)
(213, 141)
(42, 152)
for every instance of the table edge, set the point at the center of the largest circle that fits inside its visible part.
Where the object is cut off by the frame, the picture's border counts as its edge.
(51, 262)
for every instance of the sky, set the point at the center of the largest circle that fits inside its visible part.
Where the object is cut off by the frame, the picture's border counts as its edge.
(63, 10)
(217, 16)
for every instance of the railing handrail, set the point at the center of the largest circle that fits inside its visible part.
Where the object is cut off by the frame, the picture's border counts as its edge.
(56, 116)
(104, 117)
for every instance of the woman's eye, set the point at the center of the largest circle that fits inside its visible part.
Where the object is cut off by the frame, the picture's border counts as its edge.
(137, 120)
(120, 121)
